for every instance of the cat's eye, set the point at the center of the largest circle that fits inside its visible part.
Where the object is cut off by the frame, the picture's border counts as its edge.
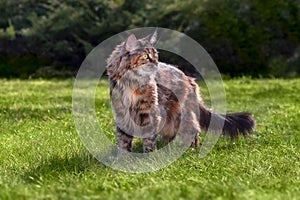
(145, 56)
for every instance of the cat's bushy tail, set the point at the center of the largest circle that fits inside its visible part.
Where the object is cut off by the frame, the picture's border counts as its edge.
(231, 124)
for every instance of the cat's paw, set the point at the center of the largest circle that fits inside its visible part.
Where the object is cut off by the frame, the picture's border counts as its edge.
(148, 149)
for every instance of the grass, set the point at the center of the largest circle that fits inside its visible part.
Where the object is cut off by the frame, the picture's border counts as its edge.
(42, 157)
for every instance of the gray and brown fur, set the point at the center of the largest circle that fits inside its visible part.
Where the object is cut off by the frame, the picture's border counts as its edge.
(151, 98)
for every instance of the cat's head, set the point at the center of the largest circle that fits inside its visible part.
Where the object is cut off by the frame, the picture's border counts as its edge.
(132, 53)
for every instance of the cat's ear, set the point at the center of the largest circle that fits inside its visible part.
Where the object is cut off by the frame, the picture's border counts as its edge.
(153, 38)
(131, 43)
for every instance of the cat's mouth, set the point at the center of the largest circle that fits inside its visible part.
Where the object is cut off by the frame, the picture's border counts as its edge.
(155, 62)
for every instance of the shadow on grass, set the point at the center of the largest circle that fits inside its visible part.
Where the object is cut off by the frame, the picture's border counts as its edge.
(57, 167)
(17, 114)
(29, 112)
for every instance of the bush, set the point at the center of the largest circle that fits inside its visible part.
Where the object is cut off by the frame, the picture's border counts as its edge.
(244, 37)
(22, 67)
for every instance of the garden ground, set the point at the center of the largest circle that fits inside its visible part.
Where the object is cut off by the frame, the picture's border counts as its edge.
(42, 156)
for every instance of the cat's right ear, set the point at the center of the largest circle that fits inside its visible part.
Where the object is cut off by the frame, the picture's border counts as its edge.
(153, 38)
(131, 43)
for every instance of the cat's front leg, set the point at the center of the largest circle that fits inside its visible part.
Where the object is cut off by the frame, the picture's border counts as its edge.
(124, 141)
(149, 144)
(146, 125)
(145, 114)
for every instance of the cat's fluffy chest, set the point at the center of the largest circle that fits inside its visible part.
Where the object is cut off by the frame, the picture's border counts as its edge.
(136, 94)
(135, 81)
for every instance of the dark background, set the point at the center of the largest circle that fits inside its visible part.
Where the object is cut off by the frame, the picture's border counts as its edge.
(245, 38)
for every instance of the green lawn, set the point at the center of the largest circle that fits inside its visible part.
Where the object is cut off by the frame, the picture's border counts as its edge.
(42, 157)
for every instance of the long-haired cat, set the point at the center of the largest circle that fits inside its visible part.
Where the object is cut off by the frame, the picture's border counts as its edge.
(152, 98)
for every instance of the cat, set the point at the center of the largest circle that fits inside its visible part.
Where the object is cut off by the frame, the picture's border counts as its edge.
(152, 98)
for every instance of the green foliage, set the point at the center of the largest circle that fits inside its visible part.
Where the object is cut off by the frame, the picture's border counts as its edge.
(257, 38)
(9, 32)
(22, 67)
(244, 37)
(42, 156)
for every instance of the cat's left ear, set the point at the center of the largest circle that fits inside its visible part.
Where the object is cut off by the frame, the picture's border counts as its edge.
(152, 38)
(131, 43)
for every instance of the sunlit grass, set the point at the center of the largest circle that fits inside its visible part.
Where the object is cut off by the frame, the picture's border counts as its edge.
(42, 156)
